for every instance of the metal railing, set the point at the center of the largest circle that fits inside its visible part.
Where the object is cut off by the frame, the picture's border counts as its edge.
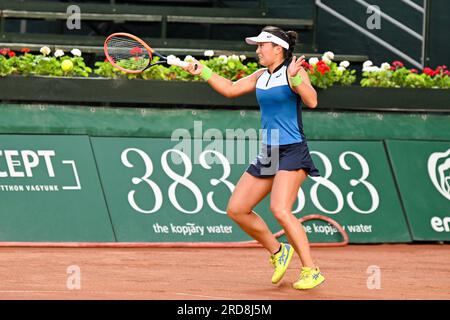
(423, 37)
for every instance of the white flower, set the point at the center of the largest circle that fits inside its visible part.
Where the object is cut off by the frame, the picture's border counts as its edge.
(368, 63)
(59, 53)
(313, 61)
(329, 55)
(386, 66)
(233, 57)
(326, 59)
(242, 57)
(189, 58)
(171, 59)
(341, 68)
(45, 51)
(76, 52)
(224, 58)
(344, 64)
(371, 69)
(208, 53)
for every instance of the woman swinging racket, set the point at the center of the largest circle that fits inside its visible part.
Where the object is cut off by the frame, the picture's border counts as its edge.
(285, 161)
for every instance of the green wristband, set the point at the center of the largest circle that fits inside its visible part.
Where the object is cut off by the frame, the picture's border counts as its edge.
(296, 81)
(206, 73)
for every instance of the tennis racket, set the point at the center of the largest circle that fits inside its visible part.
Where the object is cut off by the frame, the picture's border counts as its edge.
(131, 54)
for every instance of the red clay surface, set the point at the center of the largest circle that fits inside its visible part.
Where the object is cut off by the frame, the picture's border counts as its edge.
(407, 272)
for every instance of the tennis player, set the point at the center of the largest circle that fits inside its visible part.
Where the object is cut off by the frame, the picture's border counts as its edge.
(285, 162)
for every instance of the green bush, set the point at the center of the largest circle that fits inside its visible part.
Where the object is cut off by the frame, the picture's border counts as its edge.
(323, 72)
(397, 76)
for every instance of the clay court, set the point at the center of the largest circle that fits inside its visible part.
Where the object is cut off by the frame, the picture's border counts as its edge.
(407, 272)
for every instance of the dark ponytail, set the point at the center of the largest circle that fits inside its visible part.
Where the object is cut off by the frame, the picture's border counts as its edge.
(290, 37)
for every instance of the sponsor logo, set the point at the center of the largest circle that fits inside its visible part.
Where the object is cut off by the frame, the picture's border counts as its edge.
(440, 224)
(439, 172)
(19, 164)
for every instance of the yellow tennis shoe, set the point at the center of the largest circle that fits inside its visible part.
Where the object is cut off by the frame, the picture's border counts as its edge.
(280, 261)
(309, 278)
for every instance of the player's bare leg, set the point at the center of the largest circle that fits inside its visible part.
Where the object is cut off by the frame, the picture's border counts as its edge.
(248, 193)
(282, 199)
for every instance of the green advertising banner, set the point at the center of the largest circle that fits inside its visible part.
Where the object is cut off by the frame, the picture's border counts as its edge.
(50, 190)
(422, 170)
(159, 190)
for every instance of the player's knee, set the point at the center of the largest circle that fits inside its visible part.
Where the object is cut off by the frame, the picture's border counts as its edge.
(234, 212)
(280, 213)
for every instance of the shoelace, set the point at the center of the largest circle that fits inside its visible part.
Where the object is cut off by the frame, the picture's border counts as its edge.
(273, 260)
(282, 257)
(305, 274)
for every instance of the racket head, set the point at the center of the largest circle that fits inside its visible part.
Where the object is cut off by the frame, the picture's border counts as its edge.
(127, 52)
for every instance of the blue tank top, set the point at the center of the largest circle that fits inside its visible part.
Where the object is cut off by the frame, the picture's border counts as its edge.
(281, 108)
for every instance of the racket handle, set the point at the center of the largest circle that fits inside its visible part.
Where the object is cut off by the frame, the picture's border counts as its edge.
(174, 61)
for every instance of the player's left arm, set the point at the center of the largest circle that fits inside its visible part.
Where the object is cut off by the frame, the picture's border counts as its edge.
(300, 82)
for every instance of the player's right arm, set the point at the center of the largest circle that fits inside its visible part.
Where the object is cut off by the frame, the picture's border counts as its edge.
(225, 86)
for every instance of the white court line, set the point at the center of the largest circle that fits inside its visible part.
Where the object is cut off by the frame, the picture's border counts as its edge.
(201, 296)
(103, 292)
(36, 291)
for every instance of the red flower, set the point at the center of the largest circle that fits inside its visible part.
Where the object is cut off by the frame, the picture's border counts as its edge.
(447, 73)
(306, 65)
(398, 64)
(25, 50)
(240, 74)
(4, 51)
(135, 51)
(322, 67)
(11, 54)
(429, 71)
(414, 71)
(440, 70)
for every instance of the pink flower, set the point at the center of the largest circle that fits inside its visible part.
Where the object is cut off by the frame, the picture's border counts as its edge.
(398, 64)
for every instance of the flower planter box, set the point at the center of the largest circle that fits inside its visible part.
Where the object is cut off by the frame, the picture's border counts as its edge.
(387, 99)
(180, 93)
(101, 90)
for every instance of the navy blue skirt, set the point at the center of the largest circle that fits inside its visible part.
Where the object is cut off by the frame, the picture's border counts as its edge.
(289, 157)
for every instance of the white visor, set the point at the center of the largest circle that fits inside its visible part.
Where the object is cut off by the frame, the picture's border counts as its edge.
(267, 37)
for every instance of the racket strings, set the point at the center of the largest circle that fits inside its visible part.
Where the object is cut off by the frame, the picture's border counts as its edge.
(128, 53)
